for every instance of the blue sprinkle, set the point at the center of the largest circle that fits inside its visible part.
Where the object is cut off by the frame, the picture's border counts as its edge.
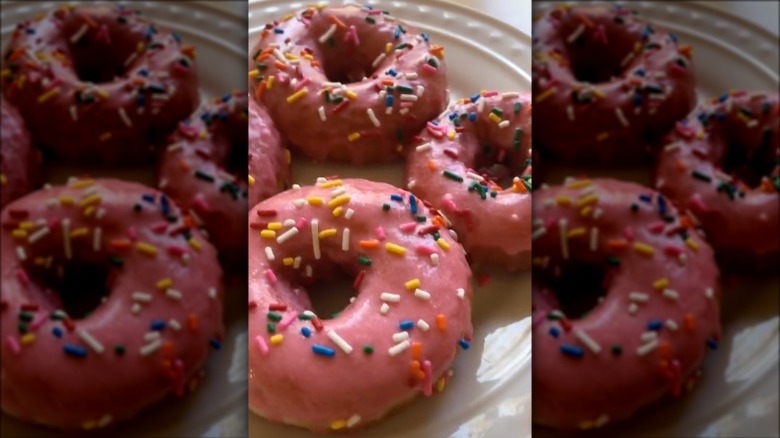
(389, 101)
(475, 97)
(392, 72)
(406, 325)
(140, 100)
(645, 198)
(472, 116)
(215, 344)
(453, 115)
(637, 100)
(148, 198)
(278, 30)
(29, 31)
(720, 116)
(413, 204)
(397, 198)
(712, 343)
(306, 332)
(397, 33)
(227, 97)
(323, 351)
(723, 97)
(571, 350)
(164, 206)
(56, 331)
(424, 37)
(157, 324)
(74, 350)
(464, 344)
(661, 205)
(640, 72)
(673, 37)
(143, 72)
(176, 37)
(223, 116)
(655, 324)
(554, 332)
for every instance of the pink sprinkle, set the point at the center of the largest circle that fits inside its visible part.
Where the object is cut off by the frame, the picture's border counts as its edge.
(434, 130)
(132, 233)
(408, 227)
(178, 365)
(449, 204)
(188, 131)
(427, 383)
(54, 223)
(380, 233)
(601, 34)
(491, 93)
(287, 321)
(178, 68)
(538, 318)
(270, 276)
(656, 227)
(176, 250)
(13, 344)
(22, 276)
(685, 131)
(39, 320)
(199, 203)
(302, 84)
(429, 69)
(375, 12)
(551, 223)
(261, 344)
(283, 78)
(405, 104)
(676, 68)
(103, 34)
(301, 223)
(672, 250)
(629, 233)
(697, 203)
(424, 250)
(159, 227)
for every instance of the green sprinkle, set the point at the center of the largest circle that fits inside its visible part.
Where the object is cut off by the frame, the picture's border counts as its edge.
(271, 327)
(453, 176)
(614, 261)
(119, 349)
(617, 349)
(370, 20)
(204, 176)
(116, 261)
(517, 107)
(497, 111)
(701, 176)
(403, 89)
(386, 207)
(433, 62)
(274, 316)
(22, 327)
(367, 349)
(25, 316)
(304, 316)
(365, 261)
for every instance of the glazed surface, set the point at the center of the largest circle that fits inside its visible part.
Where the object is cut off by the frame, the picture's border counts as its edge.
(148, 337)
(660, 309)
(269, 160)
(396, 339)
(607, 85)
(459, 164)
(19, 160)
(99, 83)
(347, 84)
(721, 165)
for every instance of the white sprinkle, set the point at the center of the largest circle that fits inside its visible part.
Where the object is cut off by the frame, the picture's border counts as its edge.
(142, 297)
(74, 113)
(597, 212)
(174, 324)
(423, 147)
(400, 336)
(79, 33)
(564, 239)
(384, 308)
(373, 118)
(671, 325)
(539, 232)
(594, 239)
(173, 294)
(338, 340)
(633, 308)
(315, 238)
(420, 89)
(309, 314)
(300, 202)
(321, 111)
(648, 336)
(422, 325)
(329, 33)
(398, 348)
(175, 147)
(124, 117)
(389, 110)
(576, 34)
(152, 336)
(212, 293)
(671, 147)
(66, 238)
(97, 235)
(130, 58)
(93, 343)
(461, 293)
(709, 293)
(480, 105)
(503, 124)
(622, 117)
(627, 59)
(104, 420)
(419, 293)
(345, 239)
(309, 271)
(671, 294)
(269, 253)
(592, 345)
(570, 113)
(288, 223)
(348, 214)
(286, 235)
(21, 254)
(353, 420)
(150, 348)
(638, 297)
(136, 308)
(378, 60)
(435, 259)
(647, 348)
(390, 298)
(602, 420)
(409, 97)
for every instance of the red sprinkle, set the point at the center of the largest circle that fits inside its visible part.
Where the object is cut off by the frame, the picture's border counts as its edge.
(278, 307)
(266, 213)
(359, 279)
(317, 324)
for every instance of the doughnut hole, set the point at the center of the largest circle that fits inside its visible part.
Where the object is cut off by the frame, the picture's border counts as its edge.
(330, 292)
(77, 287)
(500, 165)
(578, 287)
(593, 62)
(744, 154)
(230, 145)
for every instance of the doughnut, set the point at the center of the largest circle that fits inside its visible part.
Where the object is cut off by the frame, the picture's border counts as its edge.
(348, 84)
(399, 335)
(72, 359)
(198, 169)
(474, 164)
(99, 84)
(19, 160)
(269, 160)
(598, 360)
(607, 85)
(721, 166)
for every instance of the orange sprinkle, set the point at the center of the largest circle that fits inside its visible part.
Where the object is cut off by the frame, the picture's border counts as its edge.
(680, 166)
(167, 349)
(335, 20)
(441, 322)
(617, 244)
(260, 89)
(686, 221)
(437, 51)
(89, 21)
(120, 244)
(766, 185)
(438, 221)
(664, 349)
(416, 350)
(280, 65)
(192, 322)
(690, 322)
(369, 244)
(431, 165)
(585, 20)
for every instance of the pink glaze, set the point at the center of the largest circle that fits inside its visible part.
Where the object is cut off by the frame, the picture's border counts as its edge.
(345, 80)
(636, 81)
(86, 224)
(19, 160)
(269, 160)
(656, 277)
(98, 83)
(288, 381)
(741, 220)
(493, 223)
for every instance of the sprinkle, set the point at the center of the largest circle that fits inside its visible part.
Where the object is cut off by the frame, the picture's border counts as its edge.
(339, 341)
(146, 249)
(422, 325)
(400, 336)
(173, 294)
(399, 348)
(441, 322)
(419, 293)
(93, 343)
(395, 249)
(287, 235)
(671, 294)
(572, 351)
(297, 95)
(339, 200)
(564, 239)
(576, 34)
(452, 176)
(545, 94)
(315, 239)
(124, 117)
(354, 136)
(660, 284)
(373, 117)
(345, 239)
(323, 351)
(74, 350)
(150, 348)
(619, 114)
(588, 341)
(644, 349)
(412, 284)
(390, 298)
(79, 33)
(66, 238)
(329, 33)
(643, 248)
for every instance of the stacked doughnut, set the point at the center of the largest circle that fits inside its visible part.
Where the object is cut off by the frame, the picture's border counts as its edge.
(626, 278)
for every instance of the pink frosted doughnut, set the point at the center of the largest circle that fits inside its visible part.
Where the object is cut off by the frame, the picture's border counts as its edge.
(461, 165)
(269, 160)
(19, 160)
(73, 360)
(347, 84)
(659, 313)
(396, 339)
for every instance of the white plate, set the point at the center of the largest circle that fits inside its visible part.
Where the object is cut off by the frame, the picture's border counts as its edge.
(738, 394)
(218, 407)
(489, 395)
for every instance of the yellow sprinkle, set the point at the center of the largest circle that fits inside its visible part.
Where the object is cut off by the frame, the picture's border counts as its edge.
(140, 47)
(5, 72)
(412, 284)
(145, 248)
(275, 226)
(585, 212)
(3, 179)
(195, 244)
(290, 56)
(254, 73)
(331, 183)
(494, 118)
(337, 211)
(692, 244)
(314, 200)
(574, 232)
(164, 284)
(578, 184)
(90, 200)
(586, 424)
(251, 180)
(699, 134)
(330, 232)
(19, 233)
(351, 95)
(297, 95)
(598, 93)
(643, 248)
(309, 57)
(338, 200)
(268, 234)
(287, 17)
(443, 244)
(661, 284)
(27, 225)
(603, 136)
(451, 134)
(82, 183)
(388, 48)
(440, 384)
(105, 136)
(563, 200)
(288, 261)
(47, 95)
(270, 82)
(89, 211)
(354, 136)
(395, 249)
(40, 261)
(78, 232)
(66, 200)
(590, 199)
(203, 134)
(545, 94)
(338, 424)
(27, 339)
(277, 339)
